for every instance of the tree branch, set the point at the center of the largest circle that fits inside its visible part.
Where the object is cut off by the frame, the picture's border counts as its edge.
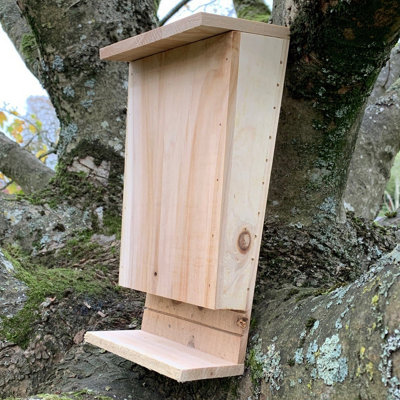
(377, 144)
(21, 166)
(20, 34)
(173, 11)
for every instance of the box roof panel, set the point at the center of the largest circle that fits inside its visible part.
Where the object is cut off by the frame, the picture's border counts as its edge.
(187, 30)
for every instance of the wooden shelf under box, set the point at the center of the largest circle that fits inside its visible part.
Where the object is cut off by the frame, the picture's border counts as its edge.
(164, 356)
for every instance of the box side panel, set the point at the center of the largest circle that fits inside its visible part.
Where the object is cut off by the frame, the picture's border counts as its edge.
(127, 210)
(177, 125)
(262, 63)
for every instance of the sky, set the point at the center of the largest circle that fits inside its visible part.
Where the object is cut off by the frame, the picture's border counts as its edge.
(17, 83)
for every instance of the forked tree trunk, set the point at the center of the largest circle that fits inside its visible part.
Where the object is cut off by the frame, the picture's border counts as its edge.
(337, 50)
(326, 305)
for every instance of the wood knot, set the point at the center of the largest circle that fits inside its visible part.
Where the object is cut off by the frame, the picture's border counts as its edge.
(244, 241)
(242, 322)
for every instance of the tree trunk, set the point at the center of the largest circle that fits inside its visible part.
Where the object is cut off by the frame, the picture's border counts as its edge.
(377, 144)
(89, 95)
(325, 319)
(337, 50)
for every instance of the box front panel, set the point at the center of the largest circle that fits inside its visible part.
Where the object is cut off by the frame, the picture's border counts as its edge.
(176, 135)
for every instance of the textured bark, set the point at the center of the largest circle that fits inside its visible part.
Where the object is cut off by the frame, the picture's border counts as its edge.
(23, 167)
(89, 95)
(377, 144)
(18, 31)
(314, 334)
(327, 296)
(389, 74)
(338, 345)
(39, 227)
(13, 291)
(333, 64)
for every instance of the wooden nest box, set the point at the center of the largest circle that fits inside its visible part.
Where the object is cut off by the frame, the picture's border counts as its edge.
(203, 106)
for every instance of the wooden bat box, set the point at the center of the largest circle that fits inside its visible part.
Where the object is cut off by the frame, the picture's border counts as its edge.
(204, 95)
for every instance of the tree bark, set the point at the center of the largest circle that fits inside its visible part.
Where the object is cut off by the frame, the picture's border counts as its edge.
(20, 33)
(337, 50)
(23, 167)
(314, 335)
(332, 66)
(377, 144)
(89, 95)
(325, 312)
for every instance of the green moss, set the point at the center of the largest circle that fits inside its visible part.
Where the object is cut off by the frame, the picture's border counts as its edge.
(310, 323)
(255, 10)
(304, 295)
(255, 366)
(43, 283)
(66, 187)
(112, 224)
(29, 47)
(326, 290)
(77, 248)
(81, 395)
(75, 188)
(336, 54)
(291, 293)
(391, 214)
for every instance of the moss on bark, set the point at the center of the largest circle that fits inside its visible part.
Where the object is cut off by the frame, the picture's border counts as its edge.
(51, 281)
(255, 10)
(336, 51)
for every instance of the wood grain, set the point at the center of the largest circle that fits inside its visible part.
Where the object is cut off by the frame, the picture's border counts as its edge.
(198, 164)
(187, 30)
(249, 154)
(169, 358)
(225, 320)
(222, 344)
(175, 149)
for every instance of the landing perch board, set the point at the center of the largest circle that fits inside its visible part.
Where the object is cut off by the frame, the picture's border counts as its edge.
(203, 108)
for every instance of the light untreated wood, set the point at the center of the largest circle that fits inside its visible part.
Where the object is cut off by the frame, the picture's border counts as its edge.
(248, 163)
(219, 343)
(201, 126)
(225, 320)
(197, 170)
(169, 358)
(187, 30)
(176, 135)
